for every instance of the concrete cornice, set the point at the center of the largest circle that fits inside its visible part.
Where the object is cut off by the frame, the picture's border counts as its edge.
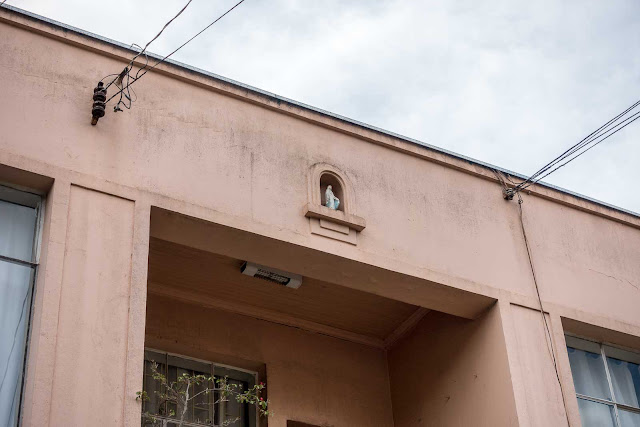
(103, 46)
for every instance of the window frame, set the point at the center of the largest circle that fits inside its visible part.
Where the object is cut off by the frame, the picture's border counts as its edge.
(591, 346)
(23, 197)
(188, 362)
(30, 200)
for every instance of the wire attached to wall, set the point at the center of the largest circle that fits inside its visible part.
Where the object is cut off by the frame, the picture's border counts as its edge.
(124, 80)
(100, 91)
(129, 66)
(177, 49)
(548, 335)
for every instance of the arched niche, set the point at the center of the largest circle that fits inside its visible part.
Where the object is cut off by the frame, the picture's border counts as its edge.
(321, 175)
(341, 224)
(331, 179)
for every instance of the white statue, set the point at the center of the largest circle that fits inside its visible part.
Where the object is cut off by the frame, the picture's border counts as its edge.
(331, 201)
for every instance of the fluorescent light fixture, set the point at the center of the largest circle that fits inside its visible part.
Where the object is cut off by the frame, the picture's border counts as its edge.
(274, 275)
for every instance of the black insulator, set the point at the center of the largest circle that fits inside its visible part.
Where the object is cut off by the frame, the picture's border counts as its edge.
(100, 96)
(99, 103)
(98, 109)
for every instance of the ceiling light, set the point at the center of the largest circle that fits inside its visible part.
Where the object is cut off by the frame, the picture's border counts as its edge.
(274, 275)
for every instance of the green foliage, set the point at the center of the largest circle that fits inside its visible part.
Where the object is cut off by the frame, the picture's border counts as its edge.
(179, 394)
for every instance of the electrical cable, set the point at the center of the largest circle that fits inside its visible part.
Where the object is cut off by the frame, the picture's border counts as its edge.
(163, 28)
(630, 120)
(594, 138)
(548, 337)
(130, 65)
(544, 317)
(587, 139)
(136, 78)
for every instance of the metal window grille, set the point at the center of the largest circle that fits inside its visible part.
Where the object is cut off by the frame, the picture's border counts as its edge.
(204, 411)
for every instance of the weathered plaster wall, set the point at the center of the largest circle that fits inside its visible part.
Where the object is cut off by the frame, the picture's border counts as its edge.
(87, 332)
(189, 145)
(90, 357)
(221, 153)
(538, 395)
(584, 262)
(310, 377)
(453, 372)
(205, 149)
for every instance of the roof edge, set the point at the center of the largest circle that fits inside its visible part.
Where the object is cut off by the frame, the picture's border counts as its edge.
(279, 99)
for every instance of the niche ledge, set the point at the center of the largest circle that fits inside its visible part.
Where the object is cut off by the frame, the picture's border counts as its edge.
(323, 213)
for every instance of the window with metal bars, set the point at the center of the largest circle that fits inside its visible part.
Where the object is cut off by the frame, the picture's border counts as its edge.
(204, 410)
(607, 383)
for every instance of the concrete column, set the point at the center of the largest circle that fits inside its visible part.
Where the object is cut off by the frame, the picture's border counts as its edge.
(91, 352)
(44, 324)
(539, 399)
(137, 312)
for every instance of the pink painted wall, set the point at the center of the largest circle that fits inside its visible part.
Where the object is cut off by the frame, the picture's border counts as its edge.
(310, 377)
(453, 372)
(202, 145)
(90, 355)
(536, 385)
(206, 149)
(584, 262)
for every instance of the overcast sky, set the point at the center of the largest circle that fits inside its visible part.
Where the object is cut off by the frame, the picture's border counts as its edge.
(512, 83)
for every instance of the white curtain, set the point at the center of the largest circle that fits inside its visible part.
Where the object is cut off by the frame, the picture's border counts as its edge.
(622, 374)
(589, 376)
(628, 418)
(594, 414)
(17, 226)
(590, 379)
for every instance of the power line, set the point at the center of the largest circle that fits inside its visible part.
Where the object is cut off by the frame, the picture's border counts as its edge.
(550, 347)
(143, 50)
(146, 70)
(548, 335)
(630, 120)
(100, 91)
(601, 134)
(592, 136)
(163, 28)
(586, 140)
(589, 138)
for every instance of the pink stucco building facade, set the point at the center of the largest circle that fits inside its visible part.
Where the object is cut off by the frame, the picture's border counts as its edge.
(417, 307)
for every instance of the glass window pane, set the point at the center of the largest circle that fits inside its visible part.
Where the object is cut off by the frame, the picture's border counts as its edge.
(628, 418)
(229, 410)
(15, 303)
(17, 228)
(172, 408)
(594, 414)
(201, 410)
(201, 403)
(625, 377)
(153, 387)
(589, 376)
(198, 409)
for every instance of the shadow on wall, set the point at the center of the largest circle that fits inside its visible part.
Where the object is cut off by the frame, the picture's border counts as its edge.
(452, 371)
